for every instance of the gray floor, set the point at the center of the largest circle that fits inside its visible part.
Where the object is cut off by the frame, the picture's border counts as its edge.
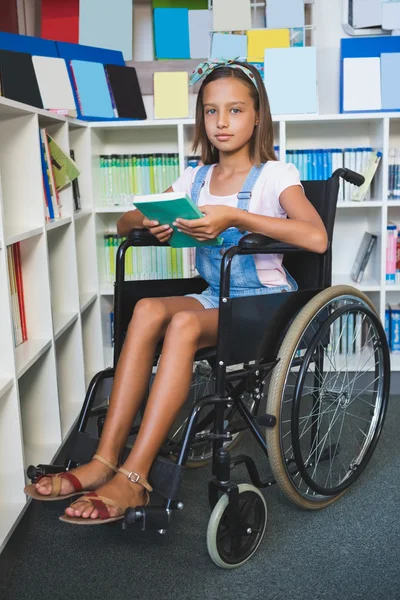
(348, 551)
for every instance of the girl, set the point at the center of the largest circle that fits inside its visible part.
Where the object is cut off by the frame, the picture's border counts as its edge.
(241, 188)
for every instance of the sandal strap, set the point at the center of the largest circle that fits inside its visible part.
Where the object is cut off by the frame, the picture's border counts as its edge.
(56, 482)
(106, 462)
(136, 478)
(101, 503)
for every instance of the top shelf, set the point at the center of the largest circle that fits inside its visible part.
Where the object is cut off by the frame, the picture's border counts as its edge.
(11, 108)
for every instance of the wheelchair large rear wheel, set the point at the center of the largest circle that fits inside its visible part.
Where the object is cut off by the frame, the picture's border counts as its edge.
(329, 393)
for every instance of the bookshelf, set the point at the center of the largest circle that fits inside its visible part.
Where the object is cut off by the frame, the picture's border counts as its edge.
(67, 296)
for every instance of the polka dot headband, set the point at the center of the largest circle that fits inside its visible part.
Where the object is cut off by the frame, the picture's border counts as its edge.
(205, 68)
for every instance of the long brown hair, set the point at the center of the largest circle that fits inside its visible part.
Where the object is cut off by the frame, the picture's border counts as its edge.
(262, 140)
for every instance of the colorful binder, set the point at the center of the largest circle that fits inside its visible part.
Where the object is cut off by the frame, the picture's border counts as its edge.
(54, 84)
(18, 79)
(92, 90)
(171, 96)
(106, 24)
(60, 20)
(260, 39)
(126, 92)
(171, 32)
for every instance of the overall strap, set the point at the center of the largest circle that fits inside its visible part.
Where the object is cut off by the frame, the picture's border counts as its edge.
(198, 183)
(245, 195)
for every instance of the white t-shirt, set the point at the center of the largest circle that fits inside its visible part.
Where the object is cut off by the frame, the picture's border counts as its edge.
(275, 177)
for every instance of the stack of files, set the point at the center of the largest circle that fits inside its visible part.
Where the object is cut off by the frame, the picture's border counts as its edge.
(122, 177)
(54, 85)
(18, 78)
(148, 262)
(392, 327)
(126, 94)
(17, 293)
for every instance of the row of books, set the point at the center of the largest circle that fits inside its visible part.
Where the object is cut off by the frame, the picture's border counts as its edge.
(149, 262)
(394, 174)
(319, 164)
(393, 254)
(392, 327)
(17, 294)
(123, 176)
(58, 170)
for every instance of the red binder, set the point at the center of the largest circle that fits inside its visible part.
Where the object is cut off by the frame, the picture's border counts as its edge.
(60, 20)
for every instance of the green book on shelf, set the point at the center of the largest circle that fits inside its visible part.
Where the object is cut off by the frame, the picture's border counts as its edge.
(166, 208)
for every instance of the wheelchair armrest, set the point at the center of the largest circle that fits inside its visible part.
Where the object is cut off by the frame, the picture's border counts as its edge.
(143, 237)
(262, 244)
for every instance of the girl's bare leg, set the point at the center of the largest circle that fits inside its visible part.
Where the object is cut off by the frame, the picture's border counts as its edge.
(188, 331)
(148, 325)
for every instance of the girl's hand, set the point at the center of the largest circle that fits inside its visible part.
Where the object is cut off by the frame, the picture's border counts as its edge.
(161, 232)
(217, 218)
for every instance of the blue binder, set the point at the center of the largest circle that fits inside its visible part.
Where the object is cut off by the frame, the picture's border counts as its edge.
(29, 44)
(89, 53)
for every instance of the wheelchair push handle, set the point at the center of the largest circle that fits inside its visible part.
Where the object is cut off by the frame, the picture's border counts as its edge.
(350, 176)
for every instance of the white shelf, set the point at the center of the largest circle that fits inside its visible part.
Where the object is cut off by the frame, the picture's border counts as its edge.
(368, 284)
(62, 321)
(120, 208)
(40, 453)
(365, 204)
(6, 383)
(81, 213)
(58, 223)
(10, 514)
(395, 362)
(28, 353)
(107, 291)
(393, 288)
(15, 235)
(85, 300)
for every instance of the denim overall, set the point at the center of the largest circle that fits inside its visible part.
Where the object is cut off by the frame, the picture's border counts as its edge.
(244, 277)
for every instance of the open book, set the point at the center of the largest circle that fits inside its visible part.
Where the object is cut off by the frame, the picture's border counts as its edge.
(166, 208)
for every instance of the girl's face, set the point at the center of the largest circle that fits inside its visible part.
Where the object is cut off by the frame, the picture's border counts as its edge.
(229, 114)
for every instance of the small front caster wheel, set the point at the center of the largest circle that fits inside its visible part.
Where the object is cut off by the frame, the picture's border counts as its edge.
(228, 547)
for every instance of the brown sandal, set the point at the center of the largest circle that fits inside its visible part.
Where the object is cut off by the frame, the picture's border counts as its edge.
(55, 494)
(101, 503)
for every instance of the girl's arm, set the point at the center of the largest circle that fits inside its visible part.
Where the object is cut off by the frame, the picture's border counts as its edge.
(303, 228)
(133, 219)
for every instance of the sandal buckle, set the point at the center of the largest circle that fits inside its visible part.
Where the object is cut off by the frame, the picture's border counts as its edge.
(136, 477)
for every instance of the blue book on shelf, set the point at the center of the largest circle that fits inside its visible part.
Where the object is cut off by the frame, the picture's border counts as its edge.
(395, 329)
(171, 32)
(29, 44)
(91, 89)
(320, 164)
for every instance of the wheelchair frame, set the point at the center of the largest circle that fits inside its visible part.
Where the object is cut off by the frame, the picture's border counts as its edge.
(257, 347)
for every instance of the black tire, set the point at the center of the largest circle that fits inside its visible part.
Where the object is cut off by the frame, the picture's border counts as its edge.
(285, 454)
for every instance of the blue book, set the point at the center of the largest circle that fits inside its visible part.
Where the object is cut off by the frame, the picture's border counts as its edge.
(228, 45)
(91, 88)
(171, 32)
(395, 329)
(320, 164)
(29, 44)
(309, 167)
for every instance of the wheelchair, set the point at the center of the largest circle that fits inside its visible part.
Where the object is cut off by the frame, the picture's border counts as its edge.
(306, 372)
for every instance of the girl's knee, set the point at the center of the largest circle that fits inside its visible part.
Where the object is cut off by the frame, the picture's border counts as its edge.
(149, 312)
(185, 326)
